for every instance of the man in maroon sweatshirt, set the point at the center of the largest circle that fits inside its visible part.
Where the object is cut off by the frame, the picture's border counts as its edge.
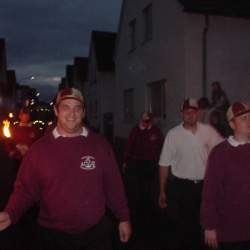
(72, 174)
(140, 166)
(225, 210)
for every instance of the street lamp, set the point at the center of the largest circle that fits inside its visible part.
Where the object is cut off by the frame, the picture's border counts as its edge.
(25, 92)
(32, 77)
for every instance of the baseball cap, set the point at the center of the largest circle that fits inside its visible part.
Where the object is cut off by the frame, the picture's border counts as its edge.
(190, 103)
(69, 93)
(237, 109)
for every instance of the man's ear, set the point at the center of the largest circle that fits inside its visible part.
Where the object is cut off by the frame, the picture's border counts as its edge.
(231, 124)
(55, 107)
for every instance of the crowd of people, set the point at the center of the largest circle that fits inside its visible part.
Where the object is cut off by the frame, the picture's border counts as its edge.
(198, 173)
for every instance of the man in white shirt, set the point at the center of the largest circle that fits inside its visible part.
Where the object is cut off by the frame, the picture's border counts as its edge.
(185, 151)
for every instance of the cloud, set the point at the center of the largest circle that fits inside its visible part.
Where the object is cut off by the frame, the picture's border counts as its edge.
(42, 36)
(40, 30)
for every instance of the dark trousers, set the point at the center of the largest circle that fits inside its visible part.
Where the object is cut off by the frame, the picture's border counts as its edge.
(139, 182)
(243, 245)
(96, 238)
(183, 209)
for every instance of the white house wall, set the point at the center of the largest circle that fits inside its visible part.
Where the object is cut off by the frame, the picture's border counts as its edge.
(228, 50)
(106, 81)
(175, 54)
(194, 26)
(229, 56)
(160, 58)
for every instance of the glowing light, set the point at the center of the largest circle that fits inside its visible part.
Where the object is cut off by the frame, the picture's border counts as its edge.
(11, 115)
(6, 130)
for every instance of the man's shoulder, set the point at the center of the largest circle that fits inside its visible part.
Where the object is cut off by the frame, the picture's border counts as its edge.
(43, 140)
(156, 128)
(177, 129)
(203, 125)
(96, 137)
(220, 148)
(207, 128)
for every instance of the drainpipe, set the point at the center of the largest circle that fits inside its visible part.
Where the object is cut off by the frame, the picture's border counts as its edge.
(204, 56)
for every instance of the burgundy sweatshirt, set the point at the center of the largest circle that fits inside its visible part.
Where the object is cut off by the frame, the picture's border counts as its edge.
(72, 179)
(144, 144)
(226, 194)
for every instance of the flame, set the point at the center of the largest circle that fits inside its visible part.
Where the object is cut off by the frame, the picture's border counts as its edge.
(6, 130)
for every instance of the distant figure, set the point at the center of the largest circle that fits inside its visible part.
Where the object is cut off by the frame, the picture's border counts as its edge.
(219, 97)
(184, 153)
(23, 135)
(225, 210)
(140, 166)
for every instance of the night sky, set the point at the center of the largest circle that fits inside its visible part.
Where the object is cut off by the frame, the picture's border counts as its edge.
(42, 36)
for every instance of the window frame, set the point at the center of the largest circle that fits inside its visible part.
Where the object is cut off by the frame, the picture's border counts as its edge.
(158, 109)
(128, 105)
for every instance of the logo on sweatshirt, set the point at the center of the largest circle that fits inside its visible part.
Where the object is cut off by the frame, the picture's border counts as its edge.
(88, 162)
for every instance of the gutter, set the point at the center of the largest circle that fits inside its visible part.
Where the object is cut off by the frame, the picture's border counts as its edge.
(204, 55)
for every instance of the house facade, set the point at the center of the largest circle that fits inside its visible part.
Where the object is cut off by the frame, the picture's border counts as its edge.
(7, 83)
(100, 87)
(169, 50)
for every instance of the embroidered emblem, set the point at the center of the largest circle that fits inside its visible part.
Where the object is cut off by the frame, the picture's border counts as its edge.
(153, 138)
(88, 163)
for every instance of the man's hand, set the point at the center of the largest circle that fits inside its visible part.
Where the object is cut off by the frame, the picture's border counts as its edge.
(211, 238)
(124, 167)
(4, 220)
(22, 148)
(162, 200)
(125, 231)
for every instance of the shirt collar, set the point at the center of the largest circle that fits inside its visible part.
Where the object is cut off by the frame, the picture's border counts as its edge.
(234, 142)
(56, 133)
(185, 129)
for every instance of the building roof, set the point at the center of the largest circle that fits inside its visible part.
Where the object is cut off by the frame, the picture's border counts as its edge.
(81, 68)
(239, 8)
(104, 45)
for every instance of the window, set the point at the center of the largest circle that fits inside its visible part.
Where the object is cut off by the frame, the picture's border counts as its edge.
(148, 22)
(156, 98)
(132, 35)
(128, 98)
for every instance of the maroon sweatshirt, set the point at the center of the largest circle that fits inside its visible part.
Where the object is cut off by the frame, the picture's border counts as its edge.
(226, 194)
(144, 144)
(72, 179)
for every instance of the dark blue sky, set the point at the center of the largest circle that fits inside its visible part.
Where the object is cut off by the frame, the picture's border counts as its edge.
(42, 36)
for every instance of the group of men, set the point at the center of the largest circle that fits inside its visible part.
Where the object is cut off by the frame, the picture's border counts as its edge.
(72, 174)
(203, 178)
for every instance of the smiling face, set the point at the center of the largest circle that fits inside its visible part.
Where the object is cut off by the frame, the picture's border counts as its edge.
(70, 113)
